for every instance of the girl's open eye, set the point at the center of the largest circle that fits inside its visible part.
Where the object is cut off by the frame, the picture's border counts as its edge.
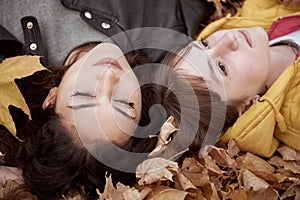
(204, 43)
(223, 68)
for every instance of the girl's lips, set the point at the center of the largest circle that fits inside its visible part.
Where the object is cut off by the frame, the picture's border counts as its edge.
(247, 37)
(110, 62)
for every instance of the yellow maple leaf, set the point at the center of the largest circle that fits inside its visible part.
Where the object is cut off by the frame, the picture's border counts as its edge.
(11, 69)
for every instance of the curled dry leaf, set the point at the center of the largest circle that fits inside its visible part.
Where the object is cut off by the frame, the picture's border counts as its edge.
(10, 173)
(122, 192)
(258, 166)
(210, 192)
(184, 182)
(166, 130)
(220, 155)
(195, 172)
(164, 193)
(288, 153)
(10, 186)
(233, 149)
(293, 192)
(256, 187)
(155, 169)
(212, 166)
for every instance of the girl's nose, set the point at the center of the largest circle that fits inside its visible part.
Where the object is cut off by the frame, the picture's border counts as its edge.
(227, 43)
(106, 85)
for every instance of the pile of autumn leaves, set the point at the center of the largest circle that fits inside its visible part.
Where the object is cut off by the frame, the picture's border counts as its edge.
(220, 173)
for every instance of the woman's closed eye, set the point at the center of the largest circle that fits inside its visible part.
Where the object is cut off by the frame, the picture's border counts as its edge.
(85, 94)
(126, 108)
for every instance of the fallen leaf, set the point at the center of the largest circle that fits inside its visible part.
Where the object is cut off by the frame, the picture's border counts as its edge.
(195, 172)
(11, 69)
(184, 182)
(155, 169)
(258, 166)
(220, 156)
(256, 187)
(212, 166)
(166, 193)
(166, 130)
(10, 186)
(210, 192)
(10, 173)
(293, 192)
(121, 192)
(233, 149)
(288, 153)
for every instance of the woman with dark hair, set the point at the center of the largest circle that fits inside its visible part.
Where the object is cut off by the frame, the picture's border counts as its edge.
(53, 155)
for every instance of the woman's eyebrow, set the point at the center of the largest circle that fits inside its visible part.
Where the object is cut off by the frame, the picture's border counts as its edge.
(81, 106)
(122, 112)
(209, 63)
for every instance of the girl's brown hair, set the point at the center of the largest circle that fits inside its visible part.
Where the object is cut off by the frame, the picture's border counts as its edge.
(214, 115)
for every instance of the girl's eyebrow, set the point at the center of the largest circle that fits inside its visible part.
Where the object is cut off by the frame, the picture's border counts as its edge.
(210, 64)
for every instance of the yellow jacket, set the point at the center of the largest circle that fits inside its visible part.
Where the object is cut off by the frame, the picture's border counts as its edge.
(276, 116)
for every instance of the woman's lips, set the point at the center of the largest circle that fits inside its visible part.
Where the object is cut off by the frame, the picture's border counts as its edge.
(110, 62)
(247, 37)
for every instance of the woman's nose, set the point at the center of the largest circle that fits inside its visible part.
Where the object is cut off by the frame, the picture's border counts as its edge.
(227, 43)
(106, 85)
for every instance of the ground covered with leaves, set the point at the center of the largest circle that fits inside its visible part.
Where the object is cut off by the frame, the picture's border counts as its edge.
(217, 172)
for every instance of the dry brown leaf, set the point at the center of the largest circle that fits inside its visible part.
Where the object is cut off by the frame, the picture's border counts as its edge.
(210, 192)
(220, 155)
(166, 193)
(11, 69)
(121, 192)
(184, 182)
(195, 172)
(233, 149)
(293, 192)
(10, 186)
(256, 187)
(288, 153)
(10, 173)
(155, 169)
(239, 195)
(258, 166)
(166, 130)
(212, 166)
(291, 166)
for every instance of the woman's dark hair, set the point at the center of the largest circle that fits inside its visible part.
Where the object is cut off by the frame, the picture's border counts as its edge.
(52, 164)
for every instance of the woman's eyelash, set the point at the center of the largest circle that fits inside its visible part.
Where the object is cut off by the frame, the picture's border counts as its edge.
(223, 68)
(204, 43)
(131, 104)
(86, 94)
